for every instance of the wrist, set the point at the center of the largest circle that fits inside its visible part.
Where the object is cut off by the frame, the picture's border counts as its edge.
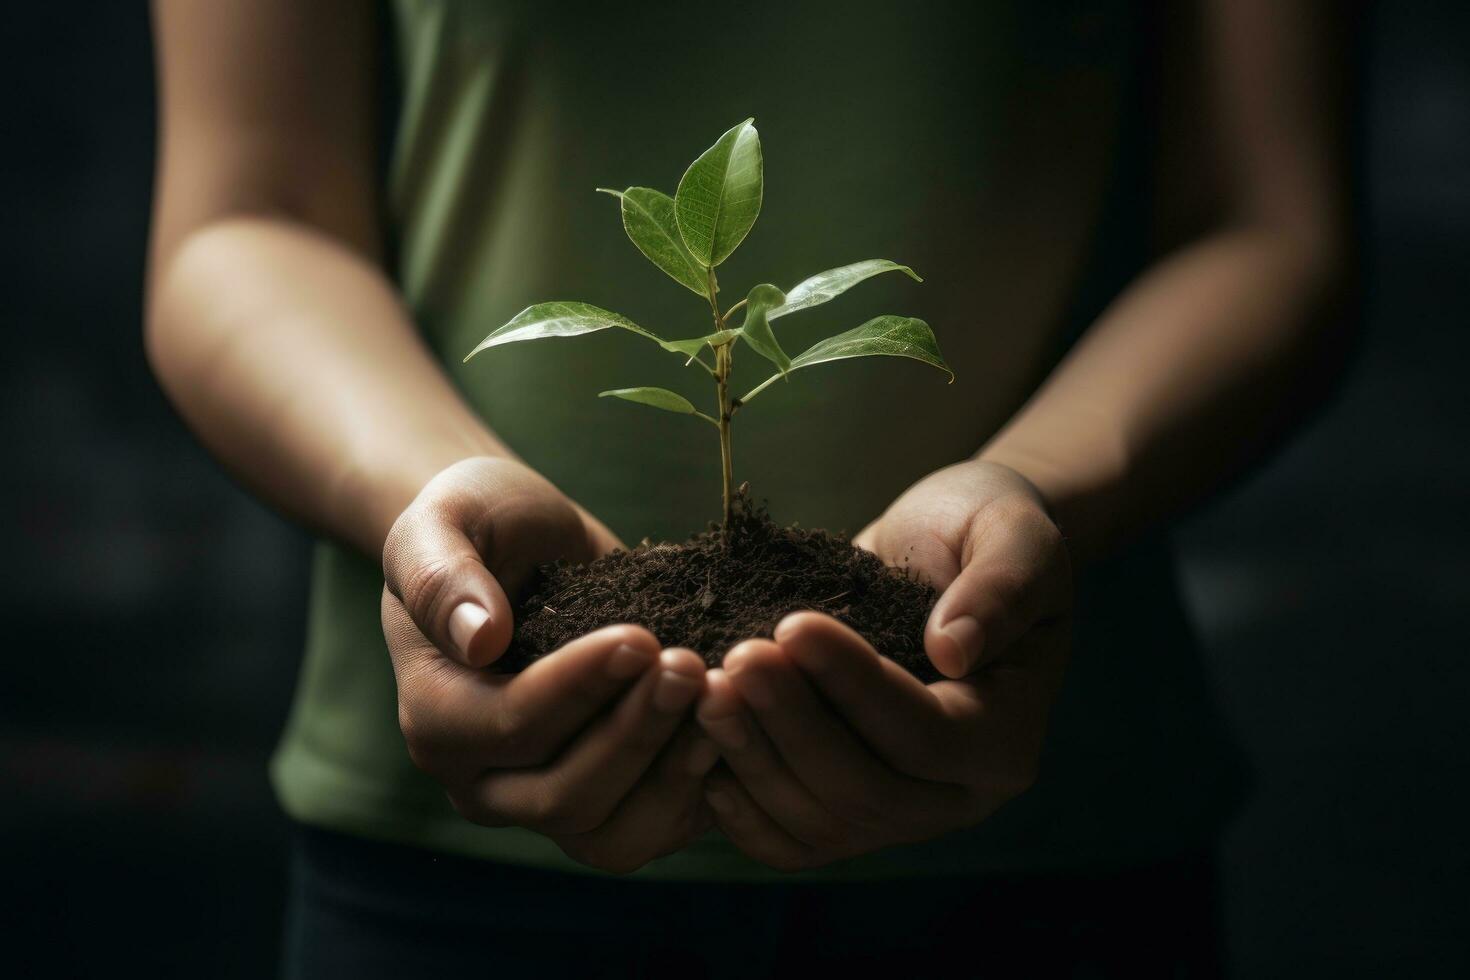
(370, 494)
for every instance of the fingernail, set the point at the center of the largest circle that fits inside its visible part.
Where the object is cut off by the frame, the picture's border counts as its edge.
(964, 633)
(702, 757)
(674, 690)
(719, 802)
(729, 731)
(464, 622)
(627, 661)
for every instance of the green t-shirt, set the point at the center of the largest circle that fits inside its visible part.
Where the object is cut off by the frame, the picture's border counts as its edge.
(991, 146)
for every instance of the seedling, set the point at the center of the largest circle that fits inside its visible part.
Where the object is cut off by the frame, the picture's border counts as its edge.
(688, 236)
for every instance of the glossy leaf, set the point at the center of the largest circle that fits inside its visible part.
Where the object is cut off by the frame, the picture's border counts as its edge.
(694, 345)
(829, 285)
(756, 330)
(719, 196)
(669, 401)
(889, 336)
(648, 218)
(559, 319)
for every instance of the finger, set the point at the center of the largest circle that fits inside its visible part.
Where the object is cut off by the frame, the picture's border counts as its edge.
(895, 714)
(1014, 574)
(1013, 694)
(828, 758)
(600, 539)
(1003, 711)
(580, 789)
(751, 830)
(688, 757)
(694, 761)
(664, 812)
(433, 568)
(748, 753)
(456, 719)
(681, 773)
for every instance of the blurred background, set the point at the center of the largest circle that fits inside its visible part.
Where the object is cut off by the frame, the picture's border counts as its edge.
(156, 612)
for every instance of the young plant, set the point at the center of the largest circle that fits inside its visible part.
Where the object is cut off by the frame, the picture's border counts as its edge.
(688, 236)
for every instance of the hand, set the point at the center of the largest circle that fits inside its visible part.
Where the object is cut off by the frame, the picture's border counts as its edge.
(592, 745)
(834, 751)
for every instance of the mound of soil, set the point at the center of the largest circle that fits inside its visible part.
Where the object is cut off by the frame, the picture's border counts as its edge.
(727, 585)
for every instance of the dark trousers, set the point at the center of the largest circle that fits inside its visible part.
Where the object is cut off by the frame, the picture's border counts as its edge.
(362, 909)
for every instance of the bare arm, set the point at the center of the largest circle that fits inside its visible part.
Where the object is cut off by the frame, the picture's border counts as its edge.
(270, 322)
(275, 332)
(1210, 354)
(833, 751)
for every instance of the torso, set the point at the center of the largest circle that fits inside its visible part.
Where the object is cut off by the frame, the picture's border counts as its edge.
(992, 146)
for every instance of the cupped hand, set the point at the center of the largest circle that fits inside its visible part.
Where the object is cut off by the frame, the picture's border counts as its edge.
(592, 745)
(833, 751)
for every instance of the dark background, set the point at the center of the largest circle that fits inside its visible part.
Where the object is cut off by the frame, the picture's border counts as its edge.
(155, 612)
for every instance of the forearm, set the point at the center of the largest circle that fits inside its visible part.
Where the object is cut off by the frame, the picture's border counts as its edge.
(1180, 384)
(293, 361)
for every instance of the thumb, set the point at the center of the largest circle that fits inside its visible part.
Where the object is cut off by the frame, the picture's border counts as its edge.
(1014, 574)
(600, 538)
(434, 569)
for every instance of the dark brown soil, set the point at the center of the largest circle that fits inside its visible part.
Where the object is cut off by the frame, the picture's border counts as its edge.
(721, 587)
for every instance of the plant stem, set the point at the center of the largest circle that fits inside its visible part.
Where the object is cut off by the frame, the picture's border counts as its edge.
(714, 306)
(758, 389)
(723, 358)
(727, 464)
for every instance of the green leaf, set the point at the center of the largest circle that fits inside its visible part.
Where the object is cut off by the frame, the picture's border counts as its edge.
(669, 401)
(829, 285)
(756, 329)
(648, 218)
(890, 336)
(559, 319)
(719, 195)
(694, 345)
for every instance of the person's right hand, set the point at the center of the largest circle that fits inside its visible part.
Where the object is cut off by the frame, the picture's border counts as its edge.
(593, 745)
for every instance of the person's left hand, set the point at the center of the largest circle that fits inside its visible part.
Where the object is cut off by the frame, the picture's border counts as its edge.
(832, 751)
